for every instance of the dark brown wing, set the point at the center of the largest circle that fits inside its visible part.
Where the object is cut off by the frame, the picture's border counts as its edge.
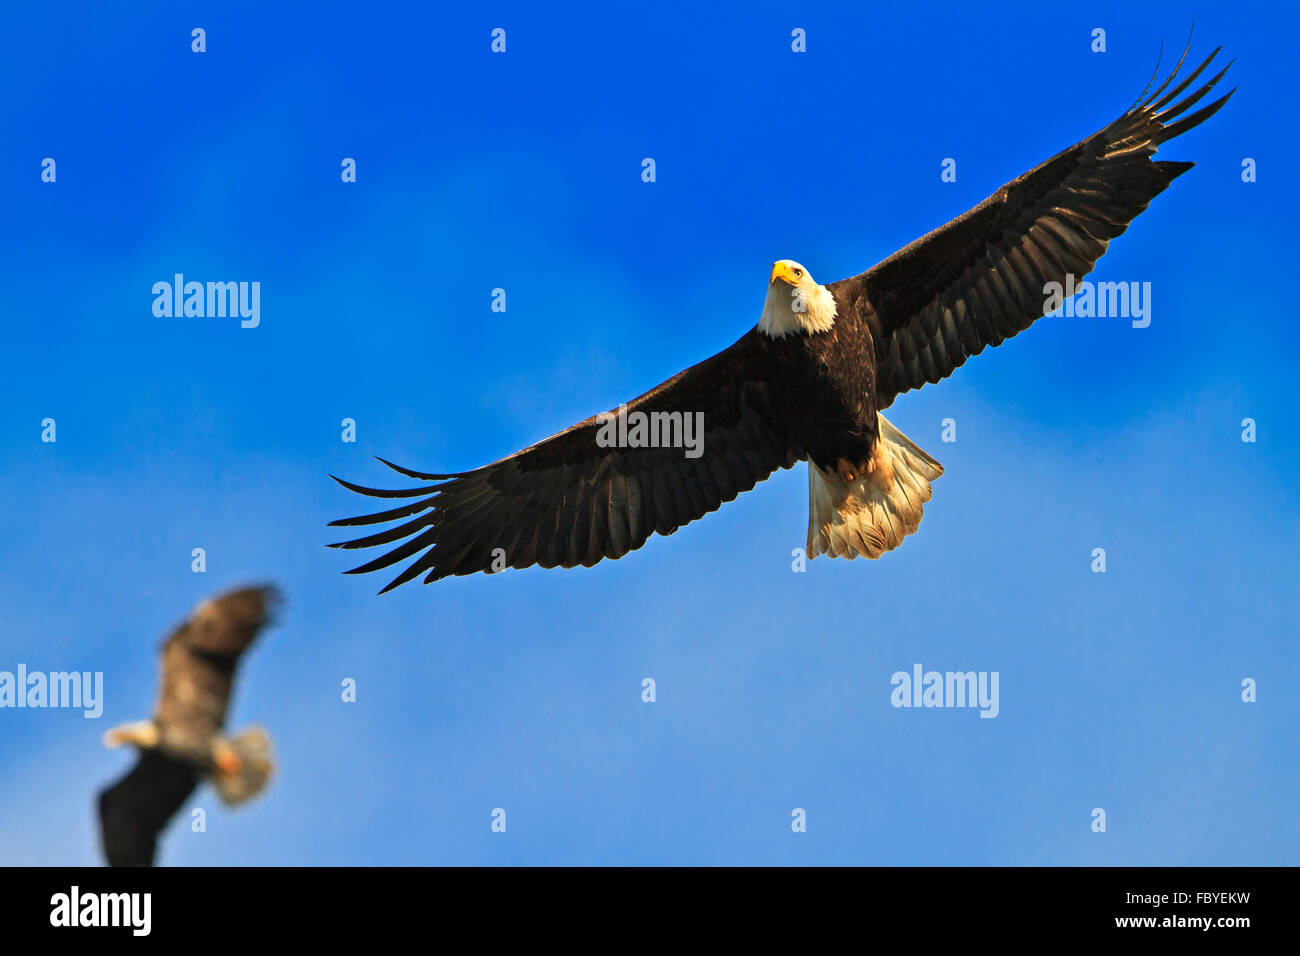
(980, 278)
(568, 501)
(199, 659)
(135, 810)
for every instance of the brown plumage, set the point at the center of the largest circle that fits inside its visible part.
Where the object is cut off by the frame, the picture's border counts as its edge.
(567, 501)
(805, 384)
(182, 743)
(979, 279)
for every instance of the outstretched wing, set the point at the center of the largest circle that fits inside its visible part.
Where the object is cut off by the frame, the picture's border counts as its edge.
(199, 659)
(135, 810)
(568, 500)
(980, 278)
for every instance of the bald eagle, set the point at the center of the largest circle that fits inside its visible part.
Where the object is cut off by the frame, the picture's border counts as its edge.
(182, 743)
(807, 383)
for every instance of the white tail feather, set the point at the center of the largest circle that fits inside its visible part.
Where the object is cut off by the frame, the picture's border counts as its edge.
(873, 513)
(249, 776)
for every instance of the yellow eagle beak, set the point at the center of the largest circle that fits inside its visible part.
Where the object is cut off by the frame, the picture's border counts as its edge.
(783, 270)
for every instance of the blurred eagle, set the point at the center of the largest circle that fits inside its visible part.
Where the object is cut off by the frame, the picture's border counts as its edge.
(182, 743)
(807, 383)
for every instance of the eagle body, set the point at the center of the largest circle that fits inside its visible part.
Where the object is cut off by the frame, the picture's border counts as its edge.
(824, 388)
(192, 705)
(808, 383)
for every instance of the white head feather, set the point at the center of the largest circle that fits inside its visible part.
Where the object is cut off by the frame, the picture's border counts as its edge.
(795, 303)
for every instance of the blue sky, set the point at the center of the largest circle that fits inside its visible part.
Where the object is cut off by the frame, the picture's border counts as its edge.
(523, 691)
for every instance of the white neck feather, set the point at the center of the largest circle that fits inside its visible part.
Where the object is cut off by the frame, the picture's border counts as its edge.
(790, 309)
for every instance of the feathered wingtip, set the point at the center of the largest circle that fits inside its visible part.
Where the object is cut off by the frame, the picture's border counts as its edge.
(1158, 107)
(254, 605)
(428, 491)
(422, 509)
(418, 475)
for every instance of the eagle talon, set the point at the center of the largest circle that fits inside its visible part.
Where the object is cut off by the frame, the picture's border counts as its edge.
(848, 472)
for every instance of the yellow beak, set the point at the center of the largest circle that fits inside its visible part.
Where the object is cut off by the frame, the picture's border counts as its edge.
(783, 270)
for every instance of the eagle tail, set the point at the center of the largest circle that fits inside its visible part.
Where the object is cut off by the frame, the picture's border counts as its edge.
(874, 512)
(242, 765)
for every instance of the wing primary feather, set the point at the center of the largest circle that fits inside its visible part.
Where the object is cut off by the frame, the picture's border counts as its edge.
(1177, 67)
(421, 475)
(1200, 116)
(1154, 73)
(1191, 78)
(389, 535)
(381, 493)
(1188, 102)
(397, 554)
(405, 511)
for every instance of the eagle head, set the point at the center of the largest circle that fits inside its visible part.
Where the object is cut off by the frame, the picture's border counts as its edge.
(795, 302)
